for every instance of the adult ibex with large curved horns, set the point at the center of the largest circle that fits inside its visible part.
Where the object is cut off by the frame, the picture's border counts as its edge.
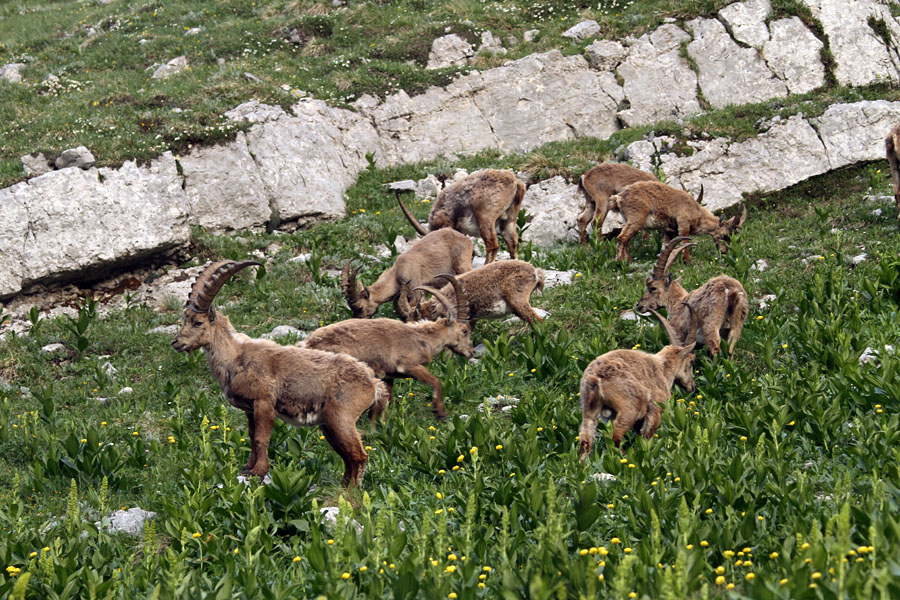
(442, 251)
(720, 305)
(655, 205)
(265, 380)
(482, 204)
(394, 349)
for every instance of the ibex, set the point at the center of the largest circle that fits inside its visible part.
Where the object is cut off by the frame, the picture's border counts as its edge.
(630, 388)
(266, 380)
(394, 349)
(481, 204)
(598, 184)
(442, 251)
(656, 205)
(493, 291)
(720, 304)
(892, 147)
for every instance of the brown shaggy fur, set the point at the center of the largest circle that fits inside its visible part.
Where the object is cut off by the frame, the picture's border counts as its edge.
(598, 184)
(630, 387)
(482, 204)
(655, 205)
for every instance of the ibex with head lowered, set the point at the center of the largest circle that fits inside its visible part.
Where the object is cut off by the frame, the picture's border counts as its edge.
(720, 305)
(892, 148)
(442, 251)
(493, 291)
(394, 349)
(630, 387)
(598, 184)
(481, 204)
(266, 380)
(655, 205)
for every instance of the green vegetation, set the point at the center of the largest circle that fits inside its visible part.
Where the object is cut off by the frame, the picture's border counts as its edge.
(777, 474)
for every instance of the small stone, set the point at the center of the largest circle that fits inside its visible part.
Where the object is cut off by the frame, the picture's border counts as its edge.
(79, 157)
(582, 31)
(877, 212)
(491, 43)
(165, 329)
(176, 65)
(603, 477)
(125, 391)
(35, 164)
(109, 369)
(52, 348)
(406, 185)
(858, 259)
(554, 278)
(301, 257)
(129, 521)
(765, 300)
(628, 315)
(449, 51)
(605, 55)
(330, 516)
(10, 72)
(193, 31)
(531, 35)
(760, 265)
(480, 350)
(251, 77)
(282, 331)
(246, 480)
(867, 356)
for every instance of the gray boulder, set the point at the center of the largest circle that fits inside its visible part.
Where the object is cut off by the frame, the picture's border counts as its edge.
(554, 205)
(659, 82)
(491, 43)
(747, 21)
(605, 55)
(449, 51)
(855, 132)
(79, 157)
(792, 53)
(176, 65)
(582, 31)
(129, 521)
(10, 72)
(35, 164)
(728, 73)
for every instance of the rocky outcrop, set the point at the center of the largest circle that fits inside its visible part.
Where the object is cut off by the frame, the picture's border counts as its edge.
(554, 205)
(449, 51)
(79, 157)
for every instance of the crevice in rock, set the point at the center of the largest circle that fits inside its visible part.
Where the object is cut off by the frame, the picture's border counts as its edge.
(733, 37)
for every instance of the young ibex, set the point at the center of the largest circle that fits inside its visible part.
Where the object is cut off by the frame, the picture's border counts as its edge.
(655, 205)
(598, 184)
(481, 204)
(720, 304)
(395, 350)
(630, 388)
(493, 291)
(892, 148)
(442, 251)
(266, 380)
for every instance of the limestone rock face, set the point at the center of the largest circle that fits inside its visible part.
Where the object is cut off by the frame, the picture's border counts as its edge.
(224, 188)
(747, 21)
(855, 132)
(554, 205)
(659, 82)
(729, 74)
(605, 55)
(306, 160)
(515, 107)
(860, 55)
(793, 54)
(74, 221)
(449, 51)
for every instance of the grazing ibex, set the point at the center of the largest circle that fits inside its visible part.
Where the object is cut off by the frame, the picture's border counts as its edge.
(892, 147)
(720, 304)
(493, 291)
(598, 184)
(630, 387)
(266, 380)
(442, 251)
(655, 205)
(481, 204)
(394, 349)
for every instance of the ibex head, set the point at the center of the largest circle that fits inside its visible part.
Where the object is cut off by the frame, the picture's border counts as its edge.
(361, 304)
(682, 349)
(727, 227)
(657, 292)
(199, 313)
(459, 329)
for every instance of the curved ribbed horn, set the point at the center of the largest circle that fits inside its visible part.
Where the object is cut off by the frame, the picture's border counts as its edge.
(670, 331)
(348, 282)
(659, 269)
(700, 196)
(674, 255)
(409, 216)
(451, 313)
(211, 280)
(691, 338)
(462, 302)
(737, 223)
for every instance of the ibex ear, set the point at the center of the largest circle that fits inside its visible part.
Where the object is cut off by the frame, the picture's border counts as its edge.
(364, 291)
(211, 314)
(668, 280)
(688, 349)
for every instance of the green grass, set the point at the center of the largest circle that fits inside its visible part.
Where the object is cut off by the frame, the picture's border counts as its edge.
(103, 55)
(781, 445)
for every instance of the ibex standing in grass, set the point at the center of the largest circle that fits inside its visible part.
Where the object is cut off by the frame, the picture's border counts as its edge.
(394, 349)
(892, 147)
(720, 304)
(655, 205)
(630, 387)
(598, 184)
(493, 291)
(266, 380)
(482, 204)
(442, 251)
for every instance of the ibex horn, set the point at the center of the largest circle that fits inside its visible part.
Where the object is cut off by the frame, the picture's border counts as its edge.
(462, 303)
(659, 269)
(670, 331)
(409, 216)
(695, 323)
(211, 280)
(348, 282)
(740, 222)
(404, 308)
(674, 255)
(700, 196)
(451, 313)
